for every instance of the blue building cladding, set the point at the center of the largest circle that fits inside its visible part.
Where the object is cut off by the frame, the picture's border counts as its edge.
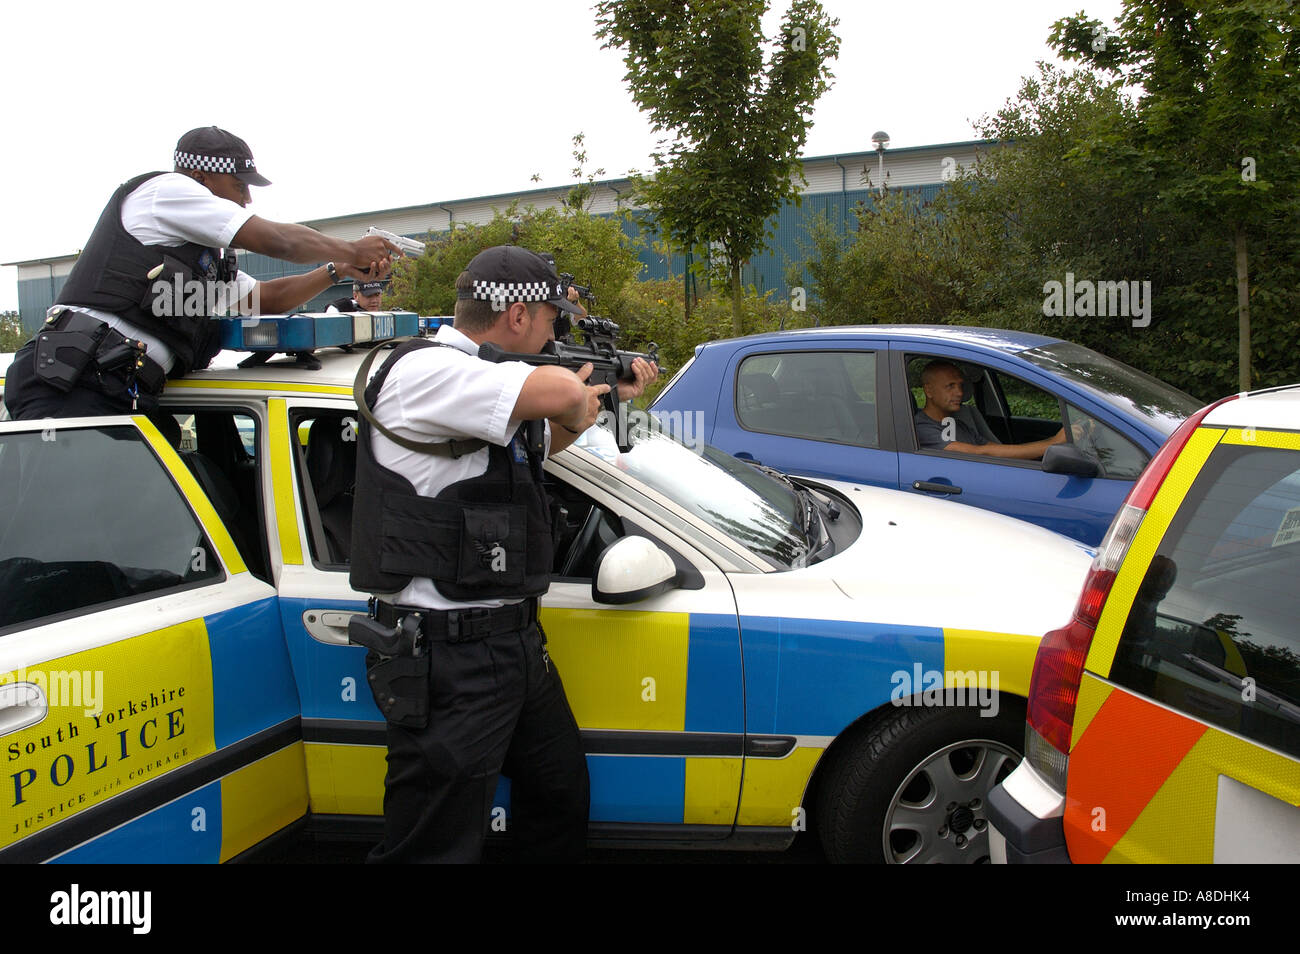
(35, 296)
(788, 246)
(767, 271)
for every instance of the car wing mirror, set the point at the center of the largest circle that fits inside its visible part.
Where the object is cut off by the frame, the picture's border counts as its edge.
(1068, 459)
(630, 570)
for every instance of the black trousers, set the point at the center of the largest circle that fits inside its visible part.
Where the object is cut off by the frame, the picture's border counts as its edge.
(497, 706)
(28, 398)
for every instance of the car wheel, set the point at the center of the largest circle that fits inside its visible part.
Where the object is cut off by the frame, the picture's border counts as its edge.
(912, 788)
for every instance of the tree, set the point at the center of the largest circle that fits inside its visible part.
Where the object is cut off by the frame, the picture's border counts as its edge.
(737, 109)
(1069, 187)
(12, 336)
(1031, 208)
(593, 248)
(1220, 117)
(579, 195)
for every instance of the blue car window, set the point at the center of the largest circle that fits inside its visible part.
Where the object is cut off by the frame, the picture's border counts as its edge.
(816, 395)
(1034, 413)
(1000, 407)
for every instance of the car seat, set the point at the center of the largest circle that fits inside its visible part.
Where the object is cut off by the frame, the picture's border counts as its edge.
(970, 377)
(332, 468)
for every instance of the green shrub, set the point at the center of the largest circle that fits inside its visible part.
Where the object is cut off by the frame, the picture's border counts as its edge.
(12, 336)
(593, 248)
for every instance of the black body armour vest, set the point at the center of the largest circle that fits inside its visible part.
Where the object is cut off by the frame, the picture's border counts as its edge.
(112, 274)
(485, 537)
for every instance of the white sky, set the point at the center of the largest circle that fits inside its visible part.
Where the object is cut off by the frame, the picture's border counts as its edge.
(435, 101)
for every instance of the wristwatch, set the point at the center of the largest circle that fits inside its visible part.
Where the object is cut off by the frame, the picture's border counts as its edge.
(334, 272)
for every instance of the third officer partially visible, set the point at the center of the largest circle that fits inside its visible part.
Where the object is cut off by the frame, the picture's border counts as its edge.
(366, 296)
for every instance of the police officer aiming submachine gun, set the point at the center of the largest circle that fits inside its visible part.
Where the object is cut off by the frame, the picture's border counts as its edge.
(599, 347)
(453, 536)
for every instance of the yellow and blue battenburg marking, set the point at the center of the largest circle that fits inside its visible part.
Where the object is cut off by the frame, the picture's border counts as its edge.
(193, 753)
(307, 332)
(670, 710)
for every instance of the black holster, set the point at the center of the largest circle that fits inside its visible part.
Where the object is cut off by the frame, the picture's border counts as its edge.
(73, 347)
(62, 355)
(397, 668)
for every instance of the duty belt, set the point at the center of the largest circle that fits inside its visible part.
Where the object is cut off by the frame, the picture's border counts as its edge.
(114, 356)
(458, 626)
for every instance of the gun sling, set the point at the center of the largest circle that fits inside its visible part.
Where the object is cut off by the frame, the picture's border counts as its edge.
(438, 448)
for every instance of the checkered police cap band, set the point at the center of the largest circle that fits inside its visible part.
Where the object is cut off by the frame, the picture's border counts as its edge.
(514, 291)
(188, 160)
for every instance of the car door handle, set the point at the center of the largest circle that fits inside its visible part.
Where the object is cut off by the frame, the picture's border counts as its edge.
(327, 625)
(930, 487)
(21, 704)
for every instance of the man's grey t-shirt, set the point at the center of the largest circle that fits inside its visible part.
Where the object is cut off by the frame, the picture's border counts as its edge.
(933, 435)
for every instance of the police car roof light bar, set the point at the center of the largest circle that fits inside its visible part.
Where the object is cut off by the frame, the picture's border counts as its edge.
(308, 332)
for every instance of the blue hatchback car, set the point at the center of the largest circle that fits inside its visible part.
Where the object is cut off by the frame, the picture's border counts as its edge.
(842, 402)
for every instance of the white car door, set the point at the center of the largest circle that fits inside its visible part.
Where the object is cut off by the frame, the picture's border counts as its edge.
(147, 708)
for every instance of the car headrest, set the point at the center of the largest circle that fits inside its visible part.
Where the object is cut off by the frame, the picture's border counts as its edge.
(762, 386)
(331, 460)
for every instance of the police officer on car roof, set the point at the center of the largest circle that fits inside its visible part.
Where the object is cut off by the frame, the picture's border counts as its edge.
(452, 532)
(135, 308)
(365, 297)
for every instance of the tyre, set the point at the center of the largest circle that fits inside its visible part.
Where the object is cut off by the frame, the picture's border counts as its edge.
(912, 787)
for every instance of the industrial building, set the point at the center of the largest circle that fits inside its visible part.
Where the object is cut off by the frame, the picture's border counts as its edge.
(835, 185)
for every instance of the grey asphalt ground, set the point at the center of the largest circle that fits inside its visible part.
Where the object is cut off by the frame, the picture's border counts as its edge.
(304, 849)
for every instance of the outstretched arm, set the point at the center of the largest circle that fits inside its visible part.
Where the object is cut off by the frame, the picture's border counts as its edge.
(1031, 451)
(297, 243)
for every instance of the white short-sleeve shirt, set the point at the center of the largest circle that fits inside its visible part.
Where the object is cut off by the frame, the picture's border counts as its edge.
(447, 393)
(170, 210)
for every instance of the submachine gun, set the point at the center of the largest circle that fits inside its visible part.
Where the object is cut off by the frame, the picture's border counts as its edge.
(599, 346)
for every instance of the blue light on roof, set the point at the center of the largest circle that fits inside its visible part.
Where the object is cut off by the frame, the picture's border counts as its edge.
(307, 332)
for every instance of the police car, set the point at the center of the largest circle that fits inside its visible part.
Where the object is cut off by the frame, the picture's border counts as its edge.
(1164, 718)
(748, 657)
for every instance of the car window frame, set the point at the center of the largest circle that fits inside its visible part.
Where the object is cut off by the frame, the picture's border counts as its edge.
(904, 352)
(261, 475)
(296, 410)
(883, 402)
(225, 572)
(1132, 678)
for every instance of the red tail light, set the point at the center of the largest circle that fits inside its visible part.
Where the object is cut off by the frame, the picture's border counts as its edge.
(1054, 687)
(1058, 667)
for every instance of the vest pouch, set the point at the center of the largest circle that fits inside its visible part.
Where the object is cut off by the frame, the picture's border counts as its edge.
(493, 547)
(455, 544)
(420, 537)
